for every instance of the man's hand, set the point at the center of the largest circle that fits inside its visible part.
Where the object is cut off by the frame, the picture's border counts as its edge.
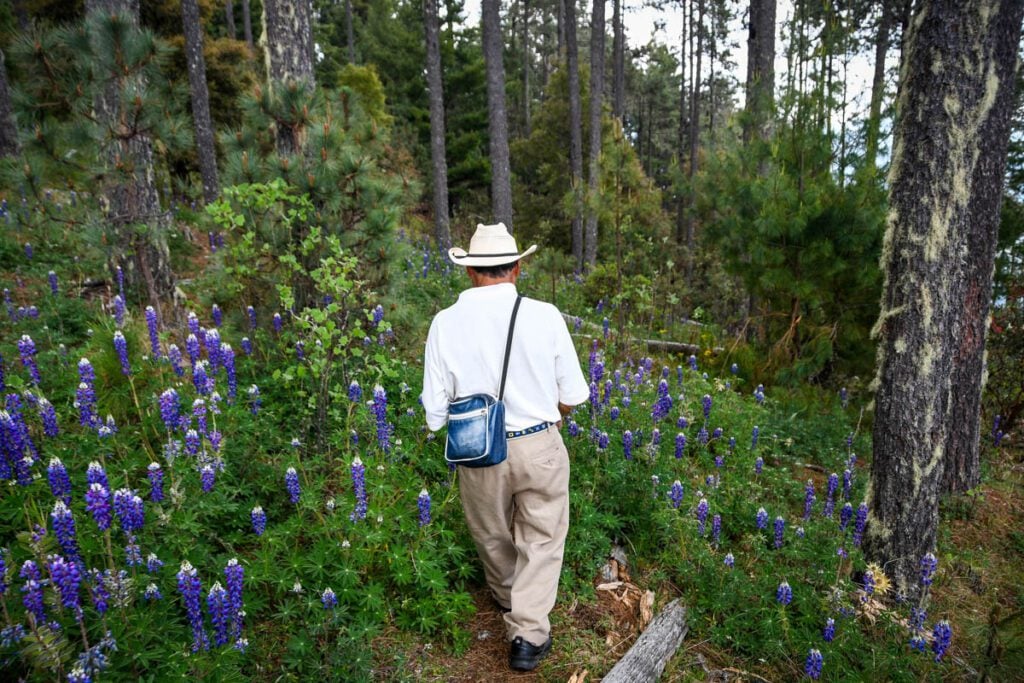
(564, 409)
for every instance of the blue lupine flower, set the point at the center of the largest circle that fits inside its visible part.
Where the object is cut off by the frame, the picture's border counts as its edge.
(423, 503)
(812, 667)
(358, 471)
(300, 350)
(627, 444)
(291, 483)
(759, 394)
(191, 590)
(762, 518)
(153, 563)
(716, 529)
(27, 351)
(753, 437)
(329, 599)
(702, 436)
(830, 630)
(170, 409)
(251, 313)
(734, 369)
(717, 434)
(120, 280)
(693, 362)
(732, 445)
(603, 441)
(606, 396)
(847, 484)
(830, 499)
(66, 579)
(780, 530)
(869, 584)
(119, 310)
(121, 347)
(719, 461)
(3, 571)
(680, 444)
(193, 325)
(212, 343)
(132, 552)
(192, 442)
(614, 413)
(574, 429)
(378, 315)
(355, 392)
(192, 348)
(380, 413)
(860, 522)
(809, 498)
(64, 530)
(234, 577)
(97, 504)
(277, 323)
(594, 398)
(220, 614)
(675, 494)
(54, 288)
(663, 404)
(702, 515)
(200, 379)
(706, 405)
(32, 591)
(48, 415)
(174, 355)
(845, 515)
(207, 477)
(254, 399)
(784, 594)
(152, 593)
(218, 317)
(942, 635)
(227, 357)
(259, 520)
(199, 413)
(605, 327)
(843, 398)
(929, 563)
(28, 251)
(152, 327)
(130, 510)
(729, 560)
(60, 482)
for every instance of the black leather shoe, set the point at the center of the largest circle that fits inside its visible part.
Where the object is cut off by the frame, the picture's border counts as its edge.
(525, 656)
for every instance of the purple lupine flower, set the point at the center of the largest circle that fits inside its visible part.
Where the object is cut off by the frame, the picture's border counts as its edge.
(119, 310)
(423, 503)
(28, 251)
(680, 444)
(702, 436)
(729, 560)
(380, 408)
(627, 444)
(717, 434)
(614, 413)
(191, 590)
(595, 399)
(130, 510)
(291, 483)
(606, 396)
(3, 571)
(192, 442)
(603, 441)
(3, 379)
(329, 599)
(719, 461)
(830, 630)
(192, 348)
(830, 499)
(234, 577)
(212, 342)
(97, 503)
(200, 378)
(132, 552)
(675, 494)
(358, 471)
(693, 362)
(702, 515)
(847, 484)
(706, 405)
(33, 591)
(193, 325)
(66, 579)
(759, 394)
(869, 584)
(605, 327)
(762, 518)
(860, 522)
(355, 392)
(120, 280)
(227, 359)
(663, 404)
(251, 313)
(254, 399)
(199, 413)
(152, 326)
(378, 315)
(60, 482)
(732, 445)
(170, 409)
(753, 437)
(174, 355)
(54, 287)
(153, 563)
(845, 515)
(246, 346)
(300, 350)
(207, 476)
(215, 438)
(152, 593)
(64, 529)
(843, 398)
(277, 323)
(942, 635)
(716, 529)
(259, 520)
(929, 563)
(812, 667)
(220, 614)
(121, 347)
(784, 594)
(218, 317)
(758, 465)
(809, 499)
(48, 415)
(780, 530)
(27, 351)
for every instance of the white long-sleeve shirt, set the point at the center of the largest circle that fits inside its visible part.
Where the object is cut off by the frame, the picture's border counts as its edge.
(465, 349)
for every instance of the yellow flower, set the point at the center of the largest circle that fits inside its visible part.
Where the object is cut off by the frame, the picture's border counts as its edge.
(882, 583)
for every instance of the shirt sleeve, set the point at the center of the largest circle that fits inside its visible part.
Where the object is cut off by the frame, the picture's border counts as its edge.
(572, 385)
(435, 396)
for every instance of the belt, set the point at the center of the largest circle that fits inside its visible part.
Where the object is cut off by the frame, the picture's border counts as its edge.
(529, 430)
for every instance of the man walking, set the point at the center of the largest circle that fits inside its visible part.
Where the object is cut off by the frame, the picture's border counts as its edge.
(517, 510)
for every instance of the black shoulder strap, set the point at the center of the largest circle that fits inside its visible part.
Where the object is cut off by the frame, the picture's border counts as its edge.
(508, 346)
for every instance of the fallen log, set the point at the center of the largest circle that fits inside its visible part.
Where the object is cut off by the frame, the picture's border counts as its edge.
(651, 344)
(650, 653)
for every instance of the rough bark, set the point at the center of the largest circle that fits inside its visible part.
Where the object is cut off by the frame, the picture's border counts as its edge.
(681, 130)
(946, 177)
(350, 32)
(575, 127)
(697, 30)
(760, 69)
(497, 118)
(8, 127)
(288, 44)
(527, 124)
(437, 146)
(618, 61)
(205, 147)
(247, 23)
(645, 661)
(229, 18)
(878, 84)
(596, 107)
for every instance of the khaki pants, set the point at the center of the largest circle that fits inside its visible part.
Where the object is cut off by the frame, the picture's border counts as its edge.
(518, 513)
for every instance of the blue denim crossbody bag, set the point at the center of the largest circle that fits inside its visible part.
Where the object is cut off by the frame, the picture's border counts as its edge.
(476, 424)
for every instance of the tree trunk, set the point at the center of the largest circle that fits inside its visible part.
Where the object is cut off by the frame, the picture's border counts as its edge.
(618, 61)
(526, 68)
(288, 42)
(681, 131)
(697, 31)
(130, 189)
(205, 147)
(646, 660)
(575, 128)
(247, 23)
(946, 179)
(437, 146)
(760, 70)
(596, 107)
(497, 119)
(350, 33)
(8, 126)
(229, 17)
(878, 85)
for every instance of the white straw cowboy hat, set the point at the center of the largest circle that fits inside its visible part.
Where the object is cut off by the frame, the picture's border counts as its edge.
(491, 245)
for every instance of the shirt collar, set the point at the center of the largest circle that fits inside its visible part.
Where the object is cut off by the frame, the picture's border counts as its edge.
(500, 290)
